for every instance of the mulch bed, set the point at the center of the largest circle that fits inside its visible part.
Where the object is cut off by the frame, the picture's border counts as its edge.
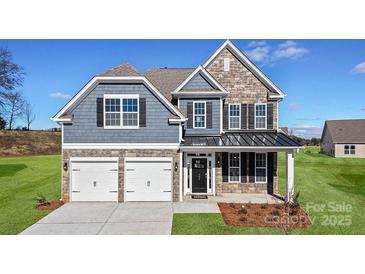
(264, 215)
(50, 206)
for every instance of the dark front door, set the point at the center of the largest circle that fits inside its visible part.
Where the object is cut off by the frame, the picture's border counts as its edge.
(199, 175)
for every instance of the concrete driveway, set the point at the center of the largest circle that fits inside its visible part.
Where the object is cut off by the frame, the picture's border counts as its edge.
(134, 218)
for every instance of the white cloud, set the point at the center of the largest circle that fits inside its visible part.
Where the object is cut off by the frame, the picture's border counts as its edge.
(359, 68)
(294, 106)
(262, 53)
(306, 131)
(60, 95)
(290, 50)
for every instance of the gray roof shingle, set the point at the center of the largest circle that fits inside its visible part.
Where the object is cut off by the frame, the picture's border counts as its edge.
(167, 80)
(121, 70)
(347, 131)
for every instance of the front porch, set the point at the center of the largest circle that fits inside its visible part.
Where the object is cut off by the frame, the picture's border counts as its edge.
(237, 164)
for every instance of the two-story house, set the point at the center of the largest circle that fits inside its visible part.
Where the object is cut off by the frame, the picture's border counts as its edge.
(168, 133)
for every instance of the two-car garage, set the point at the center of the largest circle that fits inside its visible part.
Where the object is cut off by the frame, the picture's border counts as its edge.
(96, 179)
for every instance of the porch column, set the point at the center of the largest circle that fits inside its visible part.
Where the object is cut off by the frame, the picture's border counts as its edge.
(289, 176)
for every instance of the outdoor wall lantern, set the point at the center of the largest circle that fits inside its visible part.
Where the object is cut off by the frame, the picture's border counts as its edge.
(176, 166)
(65, 166)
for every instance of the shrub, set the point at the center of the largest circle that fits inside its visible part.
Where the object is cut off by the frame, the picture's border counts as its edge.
(41, 200)
(242, 211)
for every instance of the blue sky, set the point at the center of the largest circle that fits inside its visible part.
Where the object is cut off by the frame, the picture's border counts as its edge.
(323, 79)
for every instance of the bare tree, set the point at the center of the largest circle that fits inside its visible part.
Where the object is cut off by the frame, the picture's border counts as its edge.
(28, 114)
(13, 107)
(11, 76)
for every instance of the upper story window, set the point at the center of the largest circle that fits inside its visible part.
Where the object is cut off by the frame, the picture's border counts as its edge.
(226, 64)
(121, 111)
(260, 116)
(199, 114)
(349, 149)
(234, 167)
(234, 116)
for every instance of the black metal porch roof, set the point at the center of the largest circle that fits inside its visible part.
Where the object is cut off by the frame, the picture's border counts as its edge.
(246, 139)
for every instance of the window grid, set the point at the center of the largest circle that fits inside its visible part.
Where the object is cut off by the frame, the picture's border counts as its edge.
(349, 150)
(112, 112)
(199, 114)
(260, 116)
(234, 116)
(260, 167)
(234, 167)
(121, 111)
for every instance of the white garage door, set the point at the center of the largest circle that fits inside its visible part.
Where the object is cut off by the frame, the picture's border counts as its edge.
(148, 180)
(94, 181)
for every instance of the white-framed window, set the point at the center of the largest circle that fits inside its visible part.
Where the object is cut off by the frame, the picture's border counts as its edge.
(226, 64)
(234, 116)
(260, 167)
(260, 116)
(199, 114)
(121, 111)
(234, 167)
(349, 149)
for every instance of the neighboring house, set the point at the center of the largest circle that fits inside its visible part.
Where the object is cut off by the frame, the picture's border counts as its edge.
(344, 138)
(172, 132)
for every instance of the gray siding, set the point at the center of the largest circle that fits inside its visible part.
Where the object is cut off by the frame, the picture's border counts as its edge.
(215, 130)
(84, 129)
(198, 82)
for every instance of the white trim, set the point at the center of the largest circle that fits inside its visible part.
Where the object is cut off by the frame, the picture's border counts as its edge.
(94, 159)
(205, 113)
(121, 146)
(112, 79)
(221, 115)
(148, 159)
(249, 64)
(64, 120)
(191, 94)
(226, 64)
(196, 71)
(236, 148)
(177, 121)
(188, 169)
(120, 97)
(229, 116)
(180, 176)
(261, 104)
(261, 182)
(239, 167)
(62, 161)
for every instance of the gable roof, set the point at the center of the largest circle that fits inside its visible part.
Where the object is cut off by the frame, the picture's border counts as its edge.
(121, 70)
(167, 79)
(207, 75)
(346, 131)
(250, 66)
(59, 117)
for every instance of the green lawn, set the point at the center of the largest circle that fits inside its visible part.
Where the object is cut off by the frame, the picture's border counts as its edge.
(323, 181)
(21, 179)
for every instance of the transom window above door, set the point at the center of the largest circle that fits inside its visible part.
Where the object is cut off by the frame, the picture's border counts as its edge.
(260, 116)
(234, 116)
(121, 111)
(199, 114)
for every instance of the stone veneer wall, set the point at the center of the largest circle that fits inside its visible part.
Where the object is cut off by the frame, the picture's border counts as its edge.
(67, 153)
(242, 85)
(223, 187)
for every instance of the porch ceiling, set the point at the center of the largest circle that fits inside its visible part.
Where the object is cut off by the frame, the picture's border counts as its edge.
(242, 139)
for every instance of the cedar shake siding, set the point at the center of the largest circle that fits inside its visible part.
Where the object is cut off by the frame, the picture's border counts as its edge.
(153, 119)
(242, 85)
(212, 116)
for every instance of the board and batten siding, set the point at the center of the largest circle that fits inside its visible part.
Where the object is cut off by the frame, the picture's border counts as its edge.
(84, 126)
(215, 129)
